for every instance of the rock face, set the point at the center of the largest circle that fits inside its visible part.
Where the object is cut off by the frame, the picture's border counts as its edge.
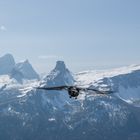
(26, 69)
(59, 76)
(7, 63)
(17, 75)
(27, 113)
(18, 71)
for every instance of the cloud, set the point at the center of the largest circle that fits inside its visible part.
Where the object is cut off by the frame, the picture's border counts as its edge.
(49, 57)
(3, 28)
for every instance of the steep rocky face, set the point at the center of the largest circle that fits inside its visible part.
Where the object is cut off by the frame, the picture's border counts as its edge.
(26, 69)
(60, 75)
(17, 75)
(7, 63)
(19, 71)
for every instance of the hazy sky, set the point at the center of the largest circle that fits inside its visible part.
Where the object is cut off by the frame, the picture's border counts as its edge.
(86, 34)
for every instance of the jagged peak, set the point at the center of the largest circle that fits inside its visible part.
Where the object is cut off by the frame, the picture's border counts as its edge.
(60, 65)
(8, 56)
(26, 61)
(7, 63)
(27, 69)
(60, 75)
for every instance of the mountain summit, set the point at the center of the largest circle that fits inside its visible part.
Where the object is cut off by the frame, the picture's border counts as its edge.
(7, 63)
(60, 75)
(60, 65)
(26, 69)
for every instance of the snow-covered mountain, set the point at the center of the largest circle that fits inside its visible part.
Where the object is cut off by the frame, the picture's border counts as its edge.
(7, 63)
(125, 82)
(59, 76)
(18, 71)
(28, 113)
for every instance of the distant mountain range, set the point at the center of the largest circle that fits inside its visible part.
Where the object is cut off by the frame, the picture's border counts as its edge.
(27, 113)
(18, 71)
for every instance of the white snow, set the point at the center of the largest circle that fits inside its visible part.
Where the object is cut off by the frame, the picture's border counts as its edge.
(89, 77)
(51, 119)
(129, 95)
(84, 79)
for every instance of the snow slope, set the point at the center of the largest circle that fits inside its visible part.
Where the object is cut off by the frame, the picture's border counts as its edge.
(53, 115)
(125, 82)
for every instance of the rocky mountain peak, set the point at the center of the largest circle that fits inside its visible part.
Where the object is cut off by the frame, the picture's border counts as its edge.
(7, 63)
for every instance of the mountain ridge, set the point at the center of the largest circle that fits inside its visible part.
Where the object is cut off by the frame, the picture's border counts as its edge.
(19, 71)
(38, 114)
